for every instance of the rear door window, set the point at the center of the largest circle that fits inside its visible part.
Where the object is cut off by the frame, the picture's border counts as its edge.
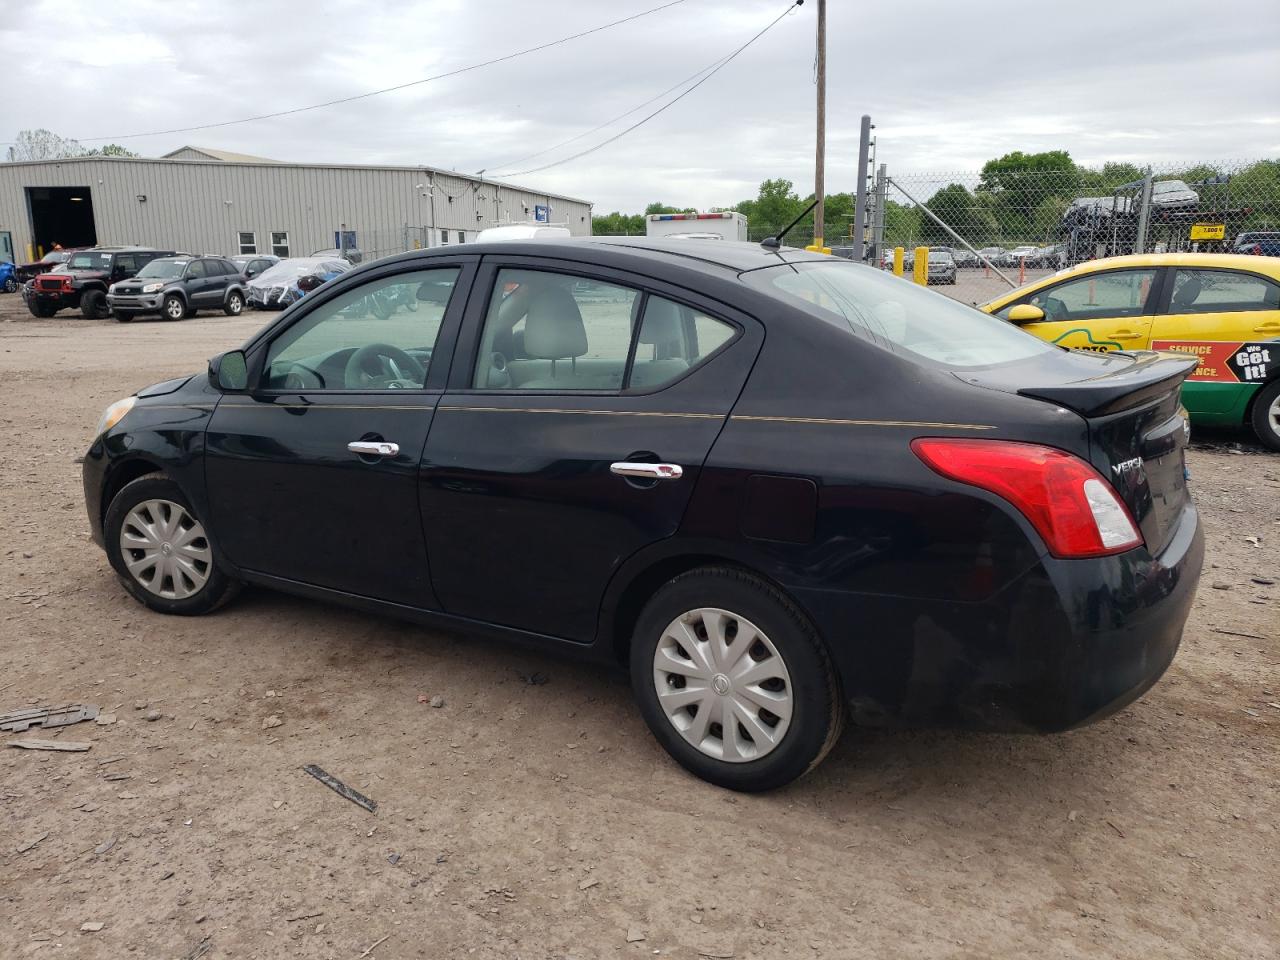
(1222, 291)
(1114, 293)
(673, 339)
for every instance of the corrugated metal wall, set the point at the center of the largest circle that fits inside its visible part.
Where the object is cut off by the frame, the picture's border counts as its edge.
(202, 206)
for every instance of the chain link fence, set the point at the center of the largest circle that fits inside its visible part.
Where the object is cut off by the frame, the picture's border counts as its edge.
(1058, 217)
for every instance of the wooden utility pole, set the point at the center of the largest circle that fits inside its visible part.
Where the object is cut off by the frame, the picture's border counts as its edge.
(819, 184)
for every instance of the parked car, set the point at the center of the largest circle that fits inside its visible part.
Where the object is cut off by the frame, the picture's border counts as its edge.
(176, 287)
(29, 271)
(252, 264)
(1052, 257)
(84, 278)
(993, 254)
(1014, 257)
(1258, 243)
(942, 266)
(278, 286)
(351, 254)
(1222, 308)
(8, 279)
(1008, 544)
(965, 258)
(1173, 195)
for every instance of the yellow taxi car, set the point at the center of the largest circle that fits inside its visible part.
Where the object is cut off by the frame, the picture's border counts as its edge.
(1222, 308)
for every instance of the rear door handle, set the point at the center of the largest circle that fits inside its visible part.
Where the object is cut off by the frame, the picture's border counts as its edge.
(1268, 328)
(374, 448)
(649, 471)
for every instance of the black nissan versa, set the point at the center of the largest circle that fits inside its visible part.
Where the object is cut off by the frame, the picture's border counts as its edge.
(785, 488)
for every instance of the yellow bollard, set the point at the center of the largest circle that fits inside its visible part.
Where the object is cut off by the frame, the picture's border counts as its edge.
(31, 257)
(899, 255)
(817, 247)
(920, 269)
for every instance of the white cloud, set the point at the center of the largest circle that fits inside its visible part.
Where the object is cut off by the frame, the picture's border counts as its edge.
(949, 85)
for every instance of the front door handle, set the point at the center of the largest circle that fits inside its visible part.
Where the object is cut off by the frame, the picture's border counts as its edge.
(648, 471)
(1126, 335)
(374, 448)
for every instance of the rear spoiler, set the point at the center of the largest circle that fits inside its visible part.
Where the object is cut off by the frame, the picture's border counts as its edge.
(1152, 374)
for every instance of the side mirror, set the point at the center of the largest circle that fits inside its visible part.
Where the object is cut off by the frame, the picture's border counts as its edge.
(229, 371)
(1025, 313)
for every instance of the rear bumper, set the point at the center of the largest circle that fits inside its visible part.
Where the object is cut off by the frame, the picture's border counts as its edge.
(1068, 643)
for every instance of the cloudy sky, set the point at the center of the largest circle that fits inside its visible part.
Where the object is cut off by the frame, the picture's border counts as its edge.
(949, 85)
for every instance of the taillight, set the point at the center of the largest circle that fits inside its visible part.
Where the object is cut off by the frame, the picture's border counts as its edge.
(1069, 503)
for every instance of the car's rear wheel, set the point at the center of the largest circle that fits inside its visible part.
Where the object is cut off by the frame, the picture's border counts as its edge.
(234, 304)
(93, 305)
(161, 550)
(175, 308)
(734, 681)
(1266, 415)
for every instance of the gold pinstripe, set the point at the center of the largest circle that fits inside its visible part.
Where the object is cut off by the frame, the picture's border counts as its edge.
(591, 413)
(865, 423)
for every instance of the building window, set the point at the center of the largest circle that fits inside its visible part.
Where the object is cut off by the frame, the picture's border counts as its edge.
(248, 242)
(444, 238)
(280, 243)
(462, 236)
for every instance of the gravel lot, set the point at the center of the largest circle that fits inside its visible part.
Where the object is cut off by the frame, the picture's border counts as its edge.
(539, 820)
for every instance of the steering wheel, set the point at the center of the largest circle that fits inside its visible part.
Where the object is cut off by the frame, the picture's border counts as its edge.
(366, 364)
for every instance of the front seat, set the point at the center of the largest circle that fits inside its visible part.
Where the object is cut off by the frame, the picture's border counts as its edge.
(553, 330)
(1186, 294)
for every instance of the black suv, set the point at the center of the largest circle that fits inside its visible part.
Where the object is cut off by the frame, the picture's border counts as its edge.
(176, 287)
(83, 280)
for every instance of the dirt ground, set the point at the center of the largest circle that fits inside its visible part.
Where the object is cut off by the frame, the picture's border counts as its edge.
(540, 820)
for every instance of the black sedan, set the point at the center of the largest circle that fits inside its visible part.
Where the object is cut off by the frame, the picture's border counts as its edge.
(784, 488)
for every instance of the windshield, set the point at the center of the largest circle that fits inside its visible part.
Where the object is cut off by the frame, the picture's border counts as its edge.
(90, 261)
(163, 269)
(897, 313)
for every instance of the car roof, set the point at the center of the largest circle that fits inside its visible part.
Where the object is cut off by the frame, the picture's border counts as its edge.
(736, 255)
(1270, 266)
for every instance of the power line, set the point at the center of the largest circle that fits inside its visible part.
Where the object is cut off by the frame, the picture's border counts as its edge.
(375, 93)
(607, 123)
(639, 123)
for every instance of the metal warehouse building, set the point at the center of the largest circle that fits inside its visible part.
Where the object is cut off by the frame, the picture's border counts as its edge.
(209, 201)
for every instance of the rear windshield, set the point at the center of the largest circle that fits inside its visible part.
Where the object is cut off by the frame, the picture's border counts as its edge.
(899, 313)
(163, 269)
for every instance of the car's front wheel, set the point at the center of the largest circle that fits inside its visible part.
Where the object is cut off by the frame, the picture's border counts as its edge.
(734, 681)
(93, 305)
(234, 305)
(161, 550)
(175, 308)
(1266, 415)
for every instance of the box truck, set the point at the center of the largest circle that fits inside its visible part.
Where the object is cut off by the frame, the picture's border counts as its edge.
(697, 226)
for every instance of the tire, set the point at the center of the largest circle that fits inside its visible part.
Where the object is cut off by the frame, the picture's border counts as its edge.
(804, 678)
(93, 305)
(174, 308)
(42, 310)
(1266, 415)
(176, 592)
(10, 285)
(121, 317)
(234, 305)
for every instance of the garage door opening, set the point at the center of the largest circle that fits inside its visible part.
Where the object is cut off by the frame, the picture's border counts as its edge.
(61, 215)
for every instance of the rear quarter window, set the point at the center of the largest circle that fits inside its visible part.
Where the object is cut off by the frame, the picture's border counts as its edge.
(897, 314)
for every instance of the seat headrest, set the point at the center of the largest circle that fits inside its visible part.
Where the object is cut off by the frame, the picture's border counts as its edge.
(661, 322)
(1187, 293)
(553, 328)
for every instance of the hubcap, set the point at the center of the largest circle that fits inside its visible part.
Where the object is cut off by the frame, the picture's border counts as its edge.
(723, 685)
(175, 309)
(1273, 415)
(165, 549)
(235, 304)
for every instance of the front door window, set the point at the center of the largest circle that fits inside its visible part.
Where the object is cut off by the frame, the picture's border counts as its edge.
(377, 336)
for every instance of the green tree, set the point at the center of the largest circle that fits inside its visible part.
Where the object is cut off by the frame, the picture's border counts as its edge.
(618, 224)
(963, 213)
(111, 150)
(658, 207)
(1020, 181)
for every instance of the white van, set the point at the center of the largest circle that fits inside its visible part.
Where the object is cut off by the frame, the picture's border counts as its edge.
(523, 231)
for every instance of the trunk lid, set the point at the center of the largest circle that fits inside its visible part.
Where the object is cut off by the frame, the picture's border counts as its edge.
(1137, 431)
